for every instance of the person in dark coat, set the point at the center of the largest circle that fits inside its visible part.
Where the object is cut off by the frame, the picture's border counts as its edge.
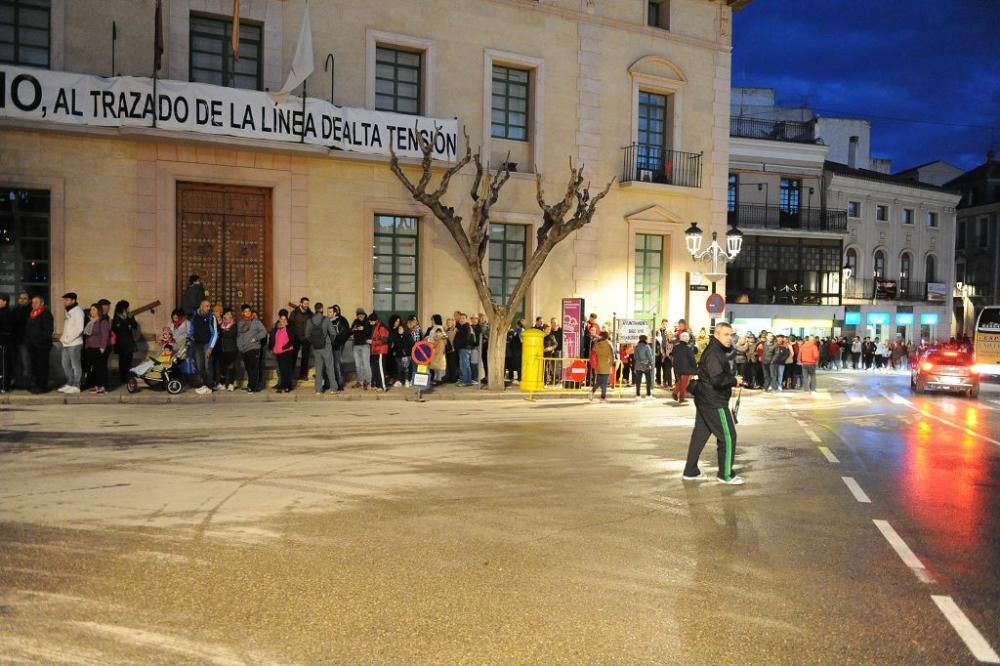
(22, 358)
(712, 392)
(38, 330)
(298, 319)
(684, 366)
(6, 344)
(124, 326)
(194, 294)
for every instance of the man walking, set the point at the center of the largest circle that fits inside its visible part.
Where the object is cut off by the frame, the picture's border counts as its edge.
(71, 341)
(711, 393)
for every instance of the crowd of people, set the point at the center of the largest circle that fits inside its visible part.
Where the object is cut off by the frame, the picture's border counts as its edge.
(218, 349)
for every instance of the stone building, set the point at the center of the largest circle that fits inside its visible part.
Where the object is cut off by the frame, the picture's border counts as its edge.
(977, 242)
(831, 247)
(100, 201)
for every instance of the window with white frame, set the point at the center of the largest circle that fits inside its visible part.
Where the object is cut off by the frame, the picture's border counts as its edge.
(397, 80)
(211, 53)
(509, 113)
(882, 213)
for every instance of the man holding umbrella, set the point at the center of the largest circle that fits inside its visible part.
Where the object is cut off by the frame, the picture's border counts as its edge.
(712, 391)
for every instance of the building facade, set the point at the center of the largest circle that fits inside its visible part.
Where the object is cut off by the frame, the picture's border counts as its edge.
(636, 91)
(977, 242)
(831, 247)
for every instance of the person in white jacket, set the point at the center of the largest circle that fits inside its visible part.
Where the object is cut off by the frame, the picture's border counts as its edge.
(71, 342)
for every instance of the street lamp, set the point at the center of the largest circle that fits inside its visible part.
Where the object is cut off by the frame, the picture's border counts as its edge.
(714, 252)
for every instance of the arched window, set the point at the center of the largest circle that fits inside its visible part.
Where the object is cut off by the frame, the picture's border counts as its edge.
(879, 264)
(930, 270)
(851, 261)
(905, 260)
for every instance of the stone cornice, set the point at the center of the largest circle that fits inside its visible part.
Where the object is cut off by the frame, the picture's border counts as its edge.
(584, 17)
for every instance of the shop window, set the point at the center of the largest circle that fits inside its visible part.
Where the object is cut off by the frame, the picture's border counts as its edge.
(212, 59)
(508, 249)
(25, 32)
(24, 242)
(395, 265)
(397, 80)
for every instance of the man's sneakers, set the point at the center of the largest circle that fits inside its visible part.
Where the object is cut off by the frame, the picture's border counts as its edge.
(734, 481)
(71, 389)
(62, 389)
(699, 477)
(203, 390)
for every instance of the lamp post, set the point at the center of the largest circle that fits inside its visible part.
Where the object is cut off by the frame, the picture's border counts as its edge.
(714, 253)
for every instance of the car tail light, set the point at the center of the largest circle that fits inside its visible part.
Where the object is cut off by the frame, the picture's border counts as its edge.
(927, 365)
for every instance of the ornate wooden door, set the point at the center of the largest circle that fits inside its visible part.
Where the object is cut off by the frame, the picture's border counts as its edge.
(223, 235)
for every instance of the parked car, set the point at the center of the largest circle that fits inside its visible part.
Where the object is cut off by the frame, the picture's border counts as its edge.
(941, 370)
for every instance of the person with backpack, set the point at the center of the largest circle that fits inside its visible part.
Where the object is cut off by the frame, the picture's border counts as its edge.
(320, 335)
(643, 360)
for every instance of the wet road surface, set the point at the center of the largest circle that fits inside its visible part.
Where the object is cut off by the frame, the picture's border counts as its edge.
(502, 532)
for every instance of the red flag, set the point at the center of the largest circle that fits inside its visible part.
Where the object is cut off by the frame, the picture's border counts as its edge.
(158, 39)
(236, 30)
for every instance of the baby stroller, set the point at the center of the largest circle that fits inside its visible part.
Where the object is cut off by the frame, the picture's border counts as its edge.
(159, 372)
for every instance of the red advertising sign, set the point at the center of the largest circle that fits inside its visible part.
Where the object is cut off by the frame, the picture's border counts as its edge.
(572, 331)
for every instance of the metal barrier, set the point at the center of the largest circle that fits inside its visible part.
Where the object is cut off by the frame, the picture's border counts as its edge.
(566, 376)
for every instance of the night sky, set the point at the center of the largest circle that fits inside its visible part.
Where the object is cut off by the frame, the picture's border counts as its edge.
(887, 61)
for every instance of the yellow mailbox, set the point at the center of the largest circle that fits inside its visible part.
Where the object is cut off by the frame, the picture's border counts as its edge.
(532, 360)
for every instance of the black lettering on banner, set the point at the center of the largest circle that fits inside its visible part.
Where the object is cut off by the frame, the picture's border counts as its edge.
(108, 103)
(201, 111)
(347, 133)
(15, 92)
(439, 142)
(133, 111)
(310, 126)
(452, 145)
(147, 107)
(62, 102)
(216, 113)
(248, 119)
(181, 110)
(161, 113)
(376, 137)
(326, 127)
(337, 133)
(411, 137)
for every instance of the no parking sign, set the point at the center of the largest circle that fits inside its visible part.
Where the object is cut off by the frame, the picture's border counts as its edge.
(422, 354)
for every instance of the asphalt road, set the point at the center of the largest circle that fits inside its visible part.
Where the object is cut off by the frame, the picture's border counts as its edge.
(501, 532)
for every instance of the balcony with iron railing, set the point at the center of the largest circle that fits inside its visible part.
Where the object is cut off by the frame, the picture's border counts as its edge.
(772, 130)
(782, 218)
(869, 289)
(647, 164)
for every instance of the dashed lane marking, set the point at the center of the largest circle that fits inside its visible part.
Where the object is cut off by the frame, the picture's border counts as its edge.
(947, 422)
(854, 396)
(855, 489)
(829, 455)
(811, 435)
(974, 640)
(904, 552)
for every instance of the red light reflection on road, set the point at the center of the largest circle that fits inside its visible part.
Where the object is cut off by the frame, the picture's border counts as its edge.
(941, 467)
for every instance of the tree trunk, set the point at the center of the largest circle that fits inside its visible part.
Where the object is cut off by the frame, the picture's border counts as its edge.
(499, 327)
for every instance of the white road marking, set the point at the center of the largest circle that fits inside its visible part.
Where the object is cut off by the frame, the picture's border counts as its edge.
(855, 489)
(801, 423)
(829, 455)
(853, 396)
(952, 424)
(821, 395)
(899, 400)
(813, 436)
(904, 552)
(974, 640)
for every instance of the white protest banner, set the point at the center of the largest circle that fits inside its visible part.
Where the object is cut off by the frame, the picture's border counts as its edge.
(126, 101)
(629, 330)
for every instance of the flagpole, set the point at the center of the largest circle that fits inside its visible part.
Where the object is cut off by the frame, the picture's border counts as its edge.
(302, 139)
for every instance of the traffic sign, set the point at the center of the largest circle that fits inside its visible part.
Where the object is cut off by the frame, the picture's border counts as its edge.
(577, 371)
(715, 305)
(422, 353)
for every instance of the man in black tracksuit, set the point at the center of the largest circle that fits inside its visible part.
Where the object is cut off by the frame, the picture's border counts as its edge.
(712, 415)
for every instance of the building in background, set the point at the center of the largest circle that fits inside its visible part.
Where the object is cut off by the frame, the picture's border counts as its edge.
(977, 242)
(638, 91)
(834, 244)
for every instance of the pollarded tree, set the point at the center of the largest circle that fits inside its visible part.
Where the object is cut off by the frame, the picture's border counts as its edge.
(575, 209)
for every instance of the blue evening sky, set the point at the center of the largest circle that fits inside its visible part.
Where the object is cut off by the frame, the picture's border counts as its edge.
(887, 61)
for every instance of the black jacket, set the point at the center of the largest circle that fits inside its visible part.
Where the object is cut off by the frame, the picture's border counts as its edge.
(361, 331)
(715, 377)
(21, 313)
(6, 326)
(124, 330)
(38, 331)
(465, 337)
(227, 339)
(683, 359)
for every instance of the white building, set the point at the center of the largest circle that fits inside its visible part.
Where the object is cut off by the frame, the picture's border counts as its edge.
(834, 244)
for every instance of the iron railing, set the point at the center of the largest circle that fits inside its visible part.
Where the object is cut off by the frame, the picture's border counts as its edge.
(885, 290)
(768, 216)
(772, 130)
(649, 164)
(787, 295)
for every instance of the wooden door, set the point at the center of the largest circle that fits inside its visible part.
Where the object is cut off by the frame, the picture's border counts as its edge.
(223, 235)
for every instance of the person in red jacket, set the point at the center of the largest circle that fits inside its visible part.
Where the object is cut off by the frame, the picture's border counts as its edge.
(808, 358)
(380, 349)
(834, 354)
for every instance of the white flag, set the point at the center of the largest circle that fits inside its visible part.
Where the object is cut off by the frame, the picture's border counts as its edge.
(303, 62)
